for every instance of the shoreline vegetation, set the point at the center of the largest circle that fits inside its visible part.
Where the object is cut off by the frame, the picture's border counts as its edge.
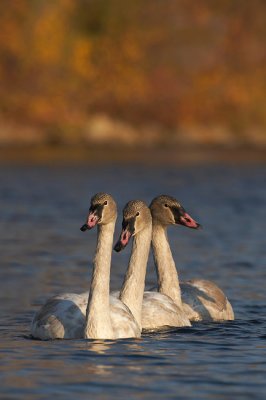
(151, 82)
(105, 139)
(150, 75)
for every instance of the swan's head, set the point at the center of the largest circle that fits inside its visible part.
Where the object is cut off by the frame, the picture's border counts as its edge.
(166, 210)
(102, 211)
(136, 217)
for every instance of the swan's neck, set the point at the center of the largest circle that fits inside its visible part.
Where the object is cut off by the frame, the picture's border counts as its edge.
(168, 282)
(132, 290)
(98, 320)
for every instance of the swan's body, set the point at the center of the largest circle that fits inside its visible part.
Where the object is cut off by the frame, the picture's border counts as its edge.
(102, 316)
(64, 316)
(204, 301)
(200, 299)
(158, 310)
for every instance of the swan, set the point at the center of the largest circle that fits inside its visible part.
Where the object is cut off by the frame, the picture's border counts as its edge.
(152, 311)
(99, 316)
(202, 300)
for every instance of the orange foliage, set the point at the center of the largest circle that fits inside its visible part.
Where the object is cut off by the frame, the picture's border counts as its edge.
(171, 62)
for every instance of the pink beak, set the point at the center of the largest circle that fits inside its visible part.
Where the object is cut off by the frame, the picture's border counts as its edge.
(186, 220)
(92, 220)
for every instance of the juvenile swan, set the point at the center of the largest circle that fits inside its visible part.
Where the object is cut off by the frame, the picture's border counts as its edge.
(73, 316)
(201, 300)
(155, 310)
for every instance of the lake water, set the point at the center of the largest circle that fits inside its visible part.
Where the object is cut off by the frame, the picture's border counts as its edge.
(43, 253)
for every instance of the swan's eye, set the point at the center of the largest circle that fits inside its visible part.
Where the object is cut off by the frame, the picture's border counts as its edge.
(105, 203)
(166, 205)
(137, 214)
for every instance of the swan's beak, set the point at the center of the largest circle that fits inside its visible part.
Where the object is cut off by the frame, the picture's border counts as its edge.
(183, 218)
(123, 240)
(92, 220)
(84, 228)
(128, 230)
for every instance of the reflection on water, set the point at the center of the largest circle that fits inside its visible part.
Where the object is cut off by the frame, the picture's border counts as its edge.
(43, 253)
(98, 346)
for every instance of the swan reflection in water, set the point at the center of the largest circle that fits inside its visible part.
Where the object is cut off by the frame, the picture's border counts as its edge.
(96, 348)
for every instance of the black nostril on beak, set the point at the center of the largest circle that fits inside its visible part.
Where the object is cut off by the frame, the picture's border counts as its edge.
(84, 228)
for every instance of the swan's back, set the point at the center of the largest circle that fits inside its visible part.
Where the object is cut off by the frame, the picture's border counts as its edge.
(158, 310)
(204, 300)
(123, 322)
(63, 317)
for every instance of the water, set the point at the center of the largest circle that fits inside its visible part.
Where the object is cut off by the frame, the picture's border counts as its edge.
(43, 253)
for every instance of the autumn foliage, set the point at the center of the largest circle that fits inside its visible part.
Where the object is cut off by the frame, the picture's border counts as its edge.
(179, 66)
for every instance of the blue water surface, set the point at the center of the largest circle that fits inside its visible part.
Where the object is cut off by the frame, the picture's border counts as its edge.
(43, 253)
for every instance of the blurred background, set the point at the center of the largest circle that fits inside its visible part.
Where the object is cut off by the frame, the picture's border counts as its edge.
(155, 73)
